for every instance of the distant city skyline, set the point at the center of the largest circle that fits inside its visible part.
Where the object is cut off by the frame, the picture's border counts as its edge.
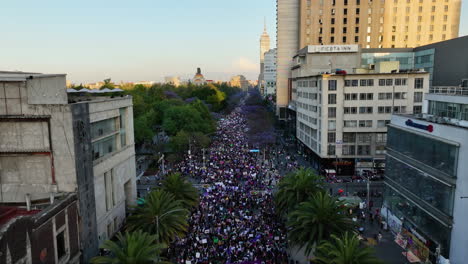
(145, 41)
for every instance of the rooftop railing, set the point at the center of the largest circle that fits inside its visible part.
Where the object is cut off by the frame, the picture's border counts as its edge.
(449, 90)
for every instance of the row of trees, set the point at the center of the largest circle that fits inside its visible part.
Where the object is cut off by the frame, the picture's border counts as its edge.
(319, 222)
(185, 113)
(155, 224)
(259, 120)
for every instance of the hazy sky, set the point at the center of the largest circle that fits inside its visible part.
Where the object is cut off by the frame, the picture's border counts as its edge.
(137, 40)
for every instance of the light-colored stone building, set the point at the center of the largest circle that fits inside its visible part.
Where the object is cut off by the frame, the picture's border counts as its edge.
(199, 79)
(270, 72)
(378, 24)
(174, 80)
(264, 47)
(287, 45)
(239, 81)
(54, 142)
(343, 113)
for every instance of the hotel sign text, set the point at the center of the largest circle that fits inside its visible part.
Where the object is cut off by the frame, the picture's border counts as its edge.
(332, 48)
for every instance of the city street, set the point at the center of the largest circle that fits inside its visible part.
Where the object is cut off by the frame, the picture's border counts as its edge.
(235, 221)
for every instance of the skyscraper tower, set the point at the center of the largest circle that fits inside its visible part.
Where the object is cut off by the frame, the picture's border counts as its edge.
(264, 47)
(264, 43)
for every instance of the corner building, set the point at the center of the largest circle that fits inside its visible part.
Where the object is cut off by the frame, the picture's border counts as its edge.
(341, 115)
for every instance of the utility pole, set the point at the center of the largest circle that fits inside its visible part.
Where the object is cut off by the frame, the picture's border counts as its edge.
(203, 149)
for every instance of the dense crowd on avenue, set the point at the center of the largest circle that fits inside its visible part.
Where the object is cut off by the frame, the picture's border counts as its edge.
(235, 221)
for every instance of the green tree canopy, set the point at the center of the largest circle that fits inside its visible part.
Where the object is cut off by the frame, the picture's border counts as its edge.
(134, 247)
(316, 219)
(295, 188)
(182, 189)
(185, 117)
(161, 215)
(345, 249)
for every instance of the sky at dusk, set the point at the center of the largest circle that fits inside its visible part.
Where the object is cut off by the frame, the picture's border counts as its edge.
(138, 40)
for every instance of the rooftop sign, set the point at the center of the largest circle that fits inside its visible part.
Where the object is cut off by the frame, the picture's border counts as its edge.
(428, 128)
(332, 48)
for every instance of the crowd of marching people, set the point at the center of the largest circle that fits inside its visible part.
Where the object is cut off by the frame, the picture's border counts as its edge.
(235, 221)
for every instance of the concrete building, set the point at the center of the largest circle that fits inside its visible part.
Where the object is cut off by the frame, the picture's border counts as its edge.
(174, 80)
(341, 110)
(199, 79)
(425, 197)
(287, 44)
(54, 142)
(239, 81)
(378, 24)
(371, 24)
(270, 72)
(44, 232)
(264, 47)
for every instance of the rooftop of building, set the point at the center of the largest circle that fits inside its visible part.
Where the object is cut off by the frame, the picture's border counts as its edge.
(19, 76)
(437, 120)
(10, 211)
(400, 72)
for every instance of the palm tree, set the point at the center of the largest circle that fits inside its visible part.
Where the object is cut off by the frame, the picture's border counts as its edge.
(135, 247)
(182, 189)
(296, 188)
(161, 215)
(316, 219)
(345, 249)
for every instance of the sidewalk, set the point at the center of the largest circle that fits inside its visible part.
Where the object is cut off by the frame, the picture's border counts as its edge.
(387, 250)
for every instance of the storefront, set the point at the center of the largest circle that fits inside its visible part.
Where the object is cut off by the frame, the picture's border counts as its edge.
(418, 247)
(344, 167)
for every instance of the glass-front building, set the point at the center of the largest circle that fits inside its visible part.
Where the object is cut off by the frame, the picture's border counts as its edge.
(420, 177)
(406, 59)
(450, 110)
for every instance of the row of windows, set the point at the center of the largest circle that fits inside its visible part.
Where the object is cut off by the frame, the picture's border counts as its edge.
(312, 108)
(312, 96)
(308, 130)
(420, 9)
(418, 82)
(370, 110)
(307, 118)
(312, 83)
(357, 123)
(362, 150)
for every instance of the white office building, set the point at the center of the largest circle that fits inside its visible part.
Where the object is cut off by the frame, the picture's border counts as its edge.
(342, 110)
(426, 180)
(270, 72)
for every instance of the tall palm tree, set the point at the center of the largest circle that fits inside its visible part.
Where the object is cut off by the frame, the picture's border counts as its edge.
(316, 219)
(135, 247)
(296, 188)
(161, 215)
(345, 249)
(182, 189)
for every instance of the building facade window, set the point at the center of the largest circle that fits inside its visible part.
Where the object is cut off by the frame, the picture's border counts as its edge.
(332, 112)
(431, 152)
(418, 83)
(332, 85)
(418, 97)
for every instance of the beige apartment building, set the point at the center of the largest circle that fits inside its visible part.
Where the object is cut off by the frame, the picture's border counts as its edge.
(370, 24)
(378, 24)
(344, 115)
